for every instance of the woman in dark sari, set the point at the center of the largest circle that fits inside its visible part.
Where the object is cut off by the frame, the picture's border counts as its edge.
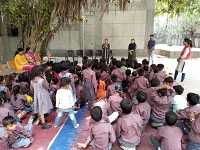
(132, 50)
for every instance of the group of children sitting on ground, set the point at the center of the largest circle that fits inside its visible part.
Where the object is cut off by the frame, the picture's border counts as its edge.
(129, 94)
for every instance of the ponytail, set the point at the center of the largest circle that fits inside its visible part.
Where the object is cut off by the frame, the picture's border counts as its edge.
(98, 77)
(189, 41)
(16, 90)
(18, 50)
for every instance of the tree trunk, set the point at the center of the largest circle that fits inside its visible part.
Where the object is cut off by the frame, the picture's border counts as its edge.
(192, 38)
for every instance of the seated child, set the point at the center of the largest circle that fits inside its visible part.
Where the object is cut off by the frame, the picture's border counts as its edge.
(101, 86)
(105, 76)
(23, 78)
(79, 94)
(102, 134)
(115, 100)
(194, 135)
(5, 110)
(128, 129)
(15, 135)
(129, 78)
(160, 75)
(162, 103)
(111, 87)
(193, 100)
(146, 72)
(143, 108)
(169, 81)
(140, 83)
(3, 87)
(152, 72)
(179, 101)
(168, 137)
(121, 75)
(123, 67)
(65, 103)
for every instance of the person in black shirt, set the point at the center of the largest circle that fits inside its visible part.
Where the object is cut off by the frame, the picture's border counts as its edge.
(106, 50)
(132, 50)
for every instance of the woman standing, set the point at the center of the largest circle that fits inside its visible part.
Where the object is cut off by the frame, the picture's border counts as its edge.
(131, 50)
(182, 60)
(21, 62)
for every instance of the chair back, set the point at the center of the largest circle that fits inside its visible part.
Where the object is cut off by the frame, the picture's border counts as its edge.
(48, 54)
(79, 53)
(1, 67)
(37, 56)
(11, 64)
(98, 53)
(89, 53)
(70, 53)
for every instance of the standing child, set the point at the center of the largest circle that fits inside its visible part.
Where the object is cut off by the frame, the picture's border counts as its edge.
(101, 86)
(105, 76)
(129, 130)
(65, 103)
(42, 101)
(143, 108)
(90, 85)
(168, 137)
(179, 102)
(15, 135)
(102, 134)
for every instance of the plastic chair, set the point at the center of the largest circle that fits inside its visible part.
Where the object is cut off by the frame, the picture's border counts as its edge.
(98, 53)
(12, 67)
(111, 53)
(2, 71)
(89, 53)
(78, 53)
(69, 53)
(38, 58)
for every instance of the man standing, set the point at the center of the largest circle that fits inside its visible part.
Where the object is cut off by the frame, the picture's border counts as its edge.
(151, 46)
(131, 50)
(106, 50)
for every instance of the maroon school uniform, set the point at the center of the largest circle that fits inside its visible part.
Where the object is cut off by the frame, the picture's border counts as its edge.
(79, 92)
(129, 80)
(14, 83)
(151, 75)
(121, 75)
(106, 109)
(24, 85)
(6, 90)
(170, 137)
(160, 76)
(102, 133)
(110, 90)
(8, 138)
(129, 127)
(149, 96)
(140, 83)
(194, 134)
(184, 114)
(105, 76)
(114, 102)
(19, 103)
(6, 110)
(144, 110)
(161, 104)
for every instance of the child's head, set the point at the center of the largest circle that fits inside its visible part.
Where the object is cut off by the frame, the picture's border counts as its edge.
(162, 92)
(119, 64)
(96, 113)
(64, 82)
(118, 88)
(128, 72)
(114, 78)
(54, 81)
(193, 98)
(179, 89)
(126, 106)
(16, 90)
(171, 118)
(9, 123)
(141, 96)
(141, 72)
(146, 68)
(25, 90)
(155, 82)
(89, 63)
(65, 66)
(134, 73)
(144, 61)
(169, 81)
(3, 97)
(160, 67)
(22, 77)
(37, 71)
(153, 67)
(2, 80)
(124, 63)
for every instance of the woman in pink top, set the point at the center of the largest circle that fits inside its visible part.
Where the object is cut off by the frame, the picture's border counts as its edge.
(30, 57)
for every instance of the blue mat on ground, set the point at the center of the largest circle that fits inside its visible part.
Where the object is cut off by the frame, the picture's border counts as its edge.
(64, 139)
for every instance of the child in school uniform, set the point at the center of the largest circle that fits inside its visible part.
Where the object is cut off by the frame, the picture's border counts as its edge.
(194, 135)
(140, 83)
(121, 75)
(128, 130)
(101, 86)
(105, 76)
(129, 78)
(5, 110)
(179, 101)
(115, 100)
(23, 81)
(160, 75)
(102, 134)
(162, 102)
(183, 115)
(18, 102)
(90, 85)
(65, 103)
(169, 81)
(3, 87)
(168, 137)
(154, 83)
(79, 94)
(15, 135)
(42, 102)
(152, 71)
(111, 88)
(143, 108)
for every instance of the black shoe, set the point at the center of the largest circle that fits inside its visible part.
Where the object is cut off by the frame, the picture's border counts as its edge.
(45, 126)
(40, 123)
